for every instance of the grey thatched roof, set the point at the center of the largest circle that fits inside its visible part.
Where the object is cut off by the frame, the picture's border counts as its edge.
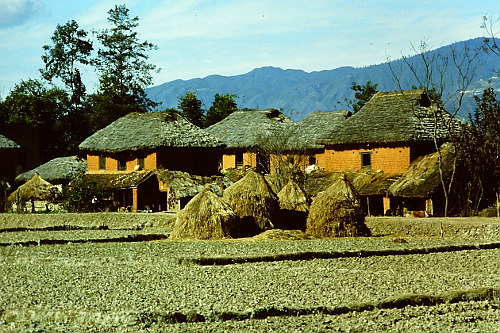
(149, 130)
(309, 131)
(187, 185)
(56, 170)
(422, 179)
(366, 183)
(374, 182)
(248, 129)
(6, 143)
(397, 116)
(119, 181)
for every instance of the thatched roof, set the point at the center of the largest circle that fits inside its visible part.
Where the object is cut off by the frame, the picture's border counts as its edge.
(337, 212)
(253, 200)
(374, 182)
(422, 179)
(206, 216)
(366, 183)
(137, 131)
(310, 130)
(37, 189)
(57, 170)
(118, 181)
(406, 116)
(247, 129)
(6, 143)
(187, 185)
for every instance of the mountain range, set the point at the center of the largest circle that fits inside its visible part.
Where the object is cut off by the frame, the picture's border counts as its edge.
(299, 93)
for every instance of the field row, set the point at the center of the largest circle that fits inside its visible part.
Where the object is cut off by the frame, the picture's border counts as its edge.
(146, 278)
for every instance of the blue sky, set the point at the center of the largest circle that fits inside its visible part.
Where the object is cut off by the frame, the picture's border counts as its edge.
(228, 37)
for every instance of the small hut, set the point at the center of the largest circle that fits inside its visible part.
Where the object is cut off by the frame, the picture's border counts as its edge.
(255, 203)
(59, 171)
(206, 216)
(337, 212)
(294, 206)
(420, 188)
(37, 191)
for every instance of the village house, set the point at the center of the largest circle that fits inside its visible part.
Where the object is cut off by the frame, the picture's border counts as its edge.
(122, 156)
(59, 171)
(388, 133)
(251, 137)
(304, 140)
(379, 143)
(9, 153)
(420, 188)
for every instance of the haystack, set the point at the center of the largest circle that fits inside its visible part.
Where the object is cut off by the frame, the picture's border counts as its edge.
(255, 203)
(206, 216)
(37, 189)
(336, 212)
(294, 206)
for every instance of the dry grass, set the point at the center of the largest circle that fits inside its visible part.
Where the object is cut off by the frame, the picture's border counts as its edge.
(292, 197)
(206, 216)
(336, 212)
(254, 202)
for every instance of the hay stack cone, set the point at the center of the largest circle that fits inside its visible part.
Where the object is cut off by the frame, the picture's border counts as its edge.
(336, 212)
(206, 216)
(36, 188)
(254, 202)
(294, 206)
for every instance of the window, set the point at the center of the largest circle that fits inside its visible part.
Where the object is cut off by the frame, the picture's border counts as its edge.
(122, 164)
(102, 162)
(140, 163)
(239, 159)
(366, 160)
(312, 160)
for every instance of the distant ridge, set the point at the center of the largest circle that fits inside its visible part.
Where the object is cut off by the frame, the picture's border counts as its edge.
(299, 93)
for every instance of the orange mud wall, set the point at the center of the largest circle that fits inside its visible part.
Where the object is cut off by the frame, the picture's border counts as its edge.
(196, 161)
(229, 160)
(150, 162)
(388, 159)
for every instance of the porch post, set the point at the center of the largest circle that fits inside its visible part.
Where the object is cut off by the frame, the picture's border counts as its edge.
(429, 207)
(386, 201)
(134, 200)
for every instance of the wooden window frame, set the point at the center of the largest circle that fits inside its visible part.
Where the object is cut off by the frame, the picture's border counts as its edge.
(102, 162)
(366, 157)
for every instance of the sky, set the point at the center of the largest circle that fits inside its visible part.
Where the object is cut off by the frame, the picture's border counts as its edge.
(197, 38)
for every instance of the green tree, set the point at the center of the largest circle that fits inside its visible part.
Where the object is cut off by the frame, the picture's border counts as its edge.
(479, 154)
(123, 68)
(79, 197)
(362, 94)
(31, 103)
(190, 107)
(70, 49)
(222, 106)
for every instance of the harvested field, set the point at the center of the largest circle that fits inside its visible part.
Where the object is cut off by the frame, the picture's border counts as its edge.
(134, 286)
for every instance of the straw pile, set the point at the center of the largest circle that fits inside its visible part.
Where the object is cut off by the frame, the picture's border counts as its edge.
(206, 216)
(279, 234)
(336, 212)
(35, 189)
(254, 202)
(294, 206)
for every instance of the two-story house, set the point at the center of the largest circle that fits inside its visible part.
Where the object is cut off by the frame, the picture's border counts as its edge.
(123, 155)
(251, 137)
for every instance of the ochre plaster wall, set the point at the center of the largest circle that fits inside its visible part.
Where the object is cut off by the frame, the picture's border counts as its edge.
(388, 159)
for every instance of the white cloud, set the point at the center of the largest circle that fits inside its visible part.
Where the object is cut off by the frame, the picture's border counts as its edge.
(17, 12)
